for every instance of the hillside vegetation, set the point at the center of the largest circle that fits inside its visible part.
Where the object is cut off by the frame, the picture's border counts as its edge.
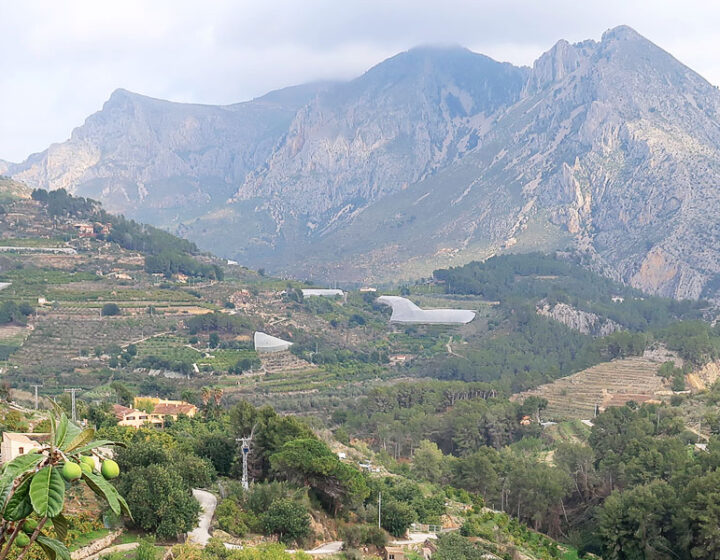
(426, 414)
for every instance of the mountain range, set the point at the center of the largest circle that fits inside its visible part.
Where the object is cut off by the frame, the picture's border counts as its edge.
(434, 157)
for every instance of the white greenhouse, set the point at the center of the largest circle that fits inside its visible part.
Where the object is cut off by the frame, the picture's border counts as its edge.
(264, 343)
(321, 292)
(405, 311)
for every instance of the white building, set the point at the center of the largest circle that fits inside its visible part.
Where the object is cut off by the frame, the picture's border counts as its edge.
(15, 444)
(405, 311)
(264, 343)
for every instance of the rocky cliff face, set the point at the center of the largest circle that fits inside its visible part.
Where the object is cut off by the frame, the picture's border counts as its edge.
(434, 157)
(140, 154)
(581, 321)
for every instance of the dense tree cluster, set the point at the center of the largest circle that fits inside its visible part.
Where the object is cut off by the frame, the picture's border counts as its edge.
(536, 276)
(11, 312)
(60, 203)
(171, 262)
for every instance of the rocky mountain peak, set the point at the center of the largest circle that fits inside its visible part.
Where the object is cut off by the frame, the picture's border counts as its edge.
(434, 157)
(622, 33)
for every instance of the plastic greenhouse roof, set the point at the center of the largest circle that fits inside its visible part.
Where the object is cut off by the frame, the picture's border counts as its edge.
(321, 292)
(264, 341)
(405, 311)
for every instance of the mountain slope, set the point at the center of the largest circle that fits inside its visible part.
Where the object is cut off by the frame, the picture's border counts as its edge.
(434, 157)
(148, 157)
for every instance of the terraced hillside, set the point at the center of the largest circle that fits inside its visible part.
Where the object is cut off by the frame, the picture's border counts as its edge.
(607, 384)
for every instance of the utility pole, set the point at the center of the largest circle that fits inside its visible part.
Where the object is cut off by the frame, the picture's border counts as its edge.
(72, 396)
(379, 508)
(36, 395)
(245, 448)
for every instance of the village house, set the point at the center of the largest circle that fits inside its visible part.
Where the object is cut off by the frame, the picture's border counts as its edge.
(15, 444)
(160, 409)
(166, 407)
(136, 418)
(84, 230)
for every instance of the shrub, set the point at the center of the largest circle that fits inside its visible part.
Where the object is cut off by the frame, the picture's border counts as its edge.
(110, 309)
(288, 520)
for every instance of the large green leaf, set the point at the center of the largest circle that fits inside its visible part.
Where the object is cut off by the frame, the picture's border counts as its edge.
(73, 430)
(60, 524)
(81, 439)
(98, 443)
(53, 548)
(105, 490)
(19, 505)
(22, 463)
(123, 504)
(15, 468)
(47, 492)
(61, 430)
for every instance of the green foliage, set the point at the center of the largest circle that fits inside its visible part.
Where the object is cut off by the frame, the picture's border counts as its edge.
(146, 549)
(453, 547)
(229, 518)
(428, 462)
(11, 312)
(397, 517)
(355, 536)
(60, 203)
(695, 341)
(160, 500)
(31, 484)
(312, 463)
(110, 309)
(288, 520)
(534, 276)
(169, 263)
(221, 322)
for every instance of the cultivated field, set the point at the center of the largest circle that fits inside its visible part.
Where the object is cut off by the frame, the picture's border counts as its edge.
(607, 384)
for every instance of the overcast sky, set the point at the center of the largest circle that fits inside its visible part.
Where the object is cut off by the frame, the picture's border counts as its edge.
(60, 60)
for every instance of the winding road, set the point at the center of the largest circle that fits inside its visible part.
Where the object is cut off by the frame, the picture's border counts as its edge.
(208, 503)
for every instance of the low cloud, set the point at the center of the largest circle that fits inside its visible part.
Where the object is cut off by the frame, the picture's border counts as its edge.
(61, 60)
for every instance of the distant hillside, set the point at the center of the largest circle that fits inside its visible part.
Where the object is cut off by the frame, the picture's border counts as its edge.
(434, 157)
(11, 189)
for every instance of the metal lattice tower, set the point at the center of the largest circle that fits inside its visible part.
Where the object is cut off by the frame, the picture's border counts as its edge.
(245, 449)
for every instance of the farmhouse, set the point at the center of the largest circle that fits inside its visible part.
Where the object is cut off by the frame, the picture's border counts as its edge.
(136, 418)
(15, 444)
(165, 407)
(84, 230)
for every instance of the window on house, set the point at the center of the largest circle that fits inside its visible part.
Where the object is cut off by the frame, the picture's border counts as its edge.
(21, 450)
(131, 418)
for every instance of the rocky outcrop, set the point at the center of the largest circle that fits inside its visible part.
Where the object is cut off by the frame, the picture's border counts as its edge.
(581, 321)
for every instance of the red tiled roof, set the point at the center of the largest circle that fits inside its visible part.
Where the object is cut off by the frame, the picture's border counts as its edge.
(173, 409)
(121, 411)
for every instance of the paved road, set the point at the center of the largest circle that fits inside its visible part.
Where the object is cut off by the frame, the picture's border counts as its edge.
(328, 548)
(415, 538)
(208, 503)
